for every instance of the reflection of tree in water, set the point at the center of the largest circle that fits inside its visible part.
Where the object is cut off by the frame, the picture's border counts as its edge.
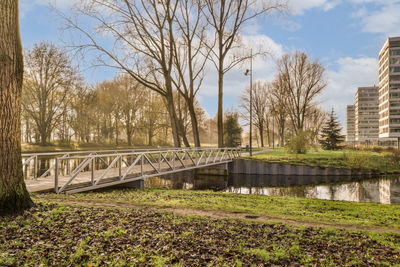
(369, 191)
(395, 191)
(170, 183)
(385, 191)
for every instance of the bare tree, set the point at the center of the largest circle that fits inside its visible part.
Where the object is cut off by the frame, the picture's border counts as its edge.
(227, 18)
(302, 81)
(190, 56)
(81, 117)
(153, 115)
(13, 194)
(143, 42)
(277, 107)
(49, 77)
(260, 106)
(130, 99)
(314, 122)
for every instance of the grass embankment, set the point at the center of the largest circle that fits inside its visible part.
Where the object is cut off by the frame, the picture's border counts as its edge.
(68, 235)
(382, 162)
(301, 209)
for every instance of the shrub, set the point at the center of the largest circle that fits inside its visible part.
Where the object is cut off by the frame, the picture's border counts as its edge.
(357, 160)
(299, 144)
(395, 157)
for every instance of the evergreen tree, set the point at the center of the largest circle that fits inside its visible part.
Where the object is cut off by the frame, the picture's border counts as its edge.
(331, 134)
(232, 130)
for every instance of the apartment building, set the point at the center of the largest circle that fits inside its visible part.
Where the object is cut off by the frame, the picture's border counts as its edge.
(389, 89)
(366, 114)
(350, 123)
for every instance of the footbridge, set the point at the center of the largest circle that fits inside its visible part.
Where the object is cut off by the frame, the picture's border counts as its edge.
(72, 172)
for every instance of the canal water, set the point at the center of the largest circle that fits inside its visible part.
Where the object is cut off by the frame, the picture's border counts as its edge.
(385, 190)
(381, 190)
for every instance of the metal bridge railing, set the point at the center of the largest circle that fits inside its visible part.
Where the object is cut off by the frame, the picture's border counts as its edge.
(82, 171)
(41, 165)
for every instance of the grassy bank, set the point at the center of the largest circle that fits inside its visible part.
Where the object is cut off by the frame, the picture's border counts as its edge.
(67, 235)
(302, 209)
(348, 159)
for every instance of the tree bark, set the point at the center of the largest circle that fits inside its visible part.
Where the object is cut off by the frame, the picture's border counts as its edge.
(43, 137)
(195, 126)
(13, 194)
(150, 136)
(261, 132)
(173, 118)
(282, 133)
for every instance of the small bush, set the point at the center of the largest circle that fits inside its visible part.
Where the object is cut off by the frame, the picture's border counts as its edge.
(377, 149)
(395, 157)
(299, 144)
(357, 160)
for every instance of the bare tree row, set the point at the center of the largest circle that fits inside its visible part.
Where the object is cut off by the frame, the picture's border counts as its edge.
(165, 45)
(58, 105)
(289, 104)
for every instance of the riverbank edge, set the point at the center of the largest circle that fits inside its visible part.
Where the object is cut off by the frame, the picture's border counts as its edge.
(265, 167)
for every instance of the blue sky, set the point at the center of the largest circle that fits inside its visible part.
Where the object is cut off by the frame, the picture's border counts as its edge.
(345, 35)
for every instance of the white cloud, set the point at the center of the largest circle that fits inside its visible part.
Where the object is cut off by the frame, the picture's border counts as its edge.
(378, 16)
(360, 13)
(386, 21)
(351, 73)
(298, 7)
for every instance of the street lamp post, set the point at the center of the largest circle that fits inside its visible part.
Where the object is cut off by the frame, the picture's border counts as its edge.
(250, 72)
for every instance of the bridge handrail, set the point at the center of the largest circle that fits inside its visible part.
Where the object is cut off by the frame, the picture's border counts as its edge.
(141, 152)
(104, 151)
(33, 171)
(173, 158)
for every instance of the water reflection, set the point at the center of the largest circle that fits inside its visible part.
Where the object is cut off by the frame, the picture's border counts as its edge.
(381, 190)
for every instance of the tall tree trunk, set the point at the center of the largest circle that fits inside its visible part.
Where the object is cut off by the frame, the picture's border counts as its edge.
(129, 140)
(128, 130)
(173, 118)
(282, 133)
(13, 194)
(195, 124)
(261, 132)
(43, 137)
(116, 130)
(220, 113)
(150, 136)
(184, 139)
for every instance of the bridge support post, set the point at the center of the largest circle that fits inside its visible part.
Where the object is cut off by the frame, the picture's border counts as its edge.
(220, 169)
(213, 177)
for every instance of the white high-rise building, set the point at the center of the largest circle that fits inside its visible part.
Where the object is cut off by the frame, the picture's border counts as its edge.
(366, 115)
(389, 89)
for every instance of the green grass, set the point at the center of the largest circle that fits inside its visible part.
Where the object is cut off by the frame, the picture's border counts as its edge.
(347, 159)
(302, 209)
